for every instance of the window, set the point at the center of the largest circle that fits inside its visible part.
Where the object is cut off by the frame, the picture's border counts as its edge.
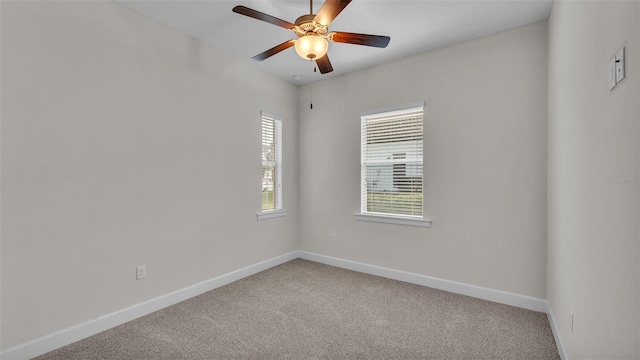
(271, 164)
(391, 166)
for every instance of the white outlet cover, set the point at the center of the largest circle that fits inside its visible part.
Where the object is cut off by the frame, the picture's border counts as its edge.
(571, 322)
(612, 73)
(141, 272)
(620, 65)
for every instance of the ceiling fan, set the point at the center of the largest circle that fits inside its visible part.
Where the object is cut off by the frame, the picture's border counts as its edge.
(313, 33)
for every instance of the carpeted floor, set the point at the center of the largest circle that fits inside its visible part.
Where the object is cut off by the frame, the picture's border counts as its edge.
(306, 310)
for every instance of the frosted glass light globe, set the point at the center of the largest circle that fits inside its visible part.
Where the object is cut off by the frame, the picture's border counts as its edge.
(311, 47)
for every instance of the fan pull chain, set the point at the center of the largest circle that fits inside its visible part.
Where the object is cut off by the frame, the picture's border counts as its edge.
(311, 89)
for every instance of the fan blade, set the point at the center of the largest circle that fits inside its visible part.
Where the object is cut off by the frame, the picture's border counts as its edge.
(329, 10)
(324, 64)
(243, 10)
(274, 50)
(359, 39)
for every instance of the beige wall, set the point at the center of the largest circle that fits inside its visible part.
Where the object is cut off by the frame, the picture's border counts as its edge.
(126, 143)
(593, 179)
(485, 163)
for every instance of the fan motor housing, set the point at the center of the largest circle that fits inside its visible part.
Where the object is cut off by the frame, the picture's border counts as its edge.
(306, 24)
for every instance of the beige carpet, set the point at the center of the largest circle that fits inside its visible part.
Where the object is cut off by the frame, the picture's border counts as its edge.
(306, 310)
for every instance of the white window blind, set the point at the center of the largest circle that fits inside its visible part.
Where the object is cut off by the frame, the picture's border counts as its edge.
(271, 163)
(391, 163)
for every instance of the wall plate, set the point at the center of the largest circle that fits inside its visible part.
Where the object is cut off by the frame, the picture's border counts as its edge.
(620, 65)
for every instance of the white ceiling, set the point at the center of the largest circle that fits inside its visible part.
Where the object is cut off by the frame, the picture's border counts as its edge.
(415, 26)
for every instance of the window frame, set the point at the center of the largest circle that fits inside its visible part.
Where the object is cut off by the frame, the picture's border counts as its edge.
(277, 163)
(389, 218)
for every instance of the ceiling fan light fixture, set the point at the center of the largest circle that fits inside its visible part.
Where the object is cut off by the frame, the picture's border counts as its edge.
(311, 46)
(313, 33)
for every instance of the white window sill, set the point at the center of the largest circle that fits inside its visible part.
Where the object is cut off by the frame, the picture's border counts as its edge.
(271, 214)
(394, 220)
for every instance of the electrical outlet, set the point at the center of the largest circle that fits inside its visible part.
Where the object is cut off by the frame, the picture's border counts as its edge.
(334, 238)
(141, 272)
(620, 65)
(571, 321)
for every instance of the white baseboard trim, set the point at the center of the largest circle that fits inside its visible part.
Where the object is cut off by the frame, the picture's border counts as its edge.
(503, 297)
(70, 335)
(556, 333)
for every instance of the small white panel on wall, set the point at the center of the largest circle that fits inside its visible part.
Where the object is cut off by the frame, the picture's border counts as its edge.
(620, 65)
